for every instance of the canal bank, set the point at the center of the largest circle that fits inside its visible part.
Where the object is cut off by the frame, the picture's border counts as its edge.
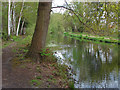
(93, 38)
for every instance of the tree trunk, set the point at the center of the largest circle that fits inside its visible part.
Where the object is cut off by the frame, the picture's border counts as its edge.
(21, 31)
(19, 19)
(14, 18)
(41, 29)
(9, 18)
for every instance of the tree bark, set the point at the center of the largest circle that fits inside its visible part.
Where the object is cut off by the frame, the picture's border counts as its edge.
(21, 31)
(14, 18)
(9, 18)
(19, 19)
(41, 29)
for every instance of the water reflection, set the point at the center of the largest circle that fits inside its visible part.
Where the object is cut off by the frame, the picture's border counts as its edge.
(95, 65)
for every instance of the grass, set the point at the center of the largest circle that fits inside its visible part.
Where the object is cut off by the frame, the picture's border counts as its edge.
(20, 40)
(93, 38)
(94, 35)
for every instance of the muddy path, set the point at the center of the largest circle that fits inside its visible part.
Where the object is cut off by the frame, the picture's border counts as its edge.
(13, 77)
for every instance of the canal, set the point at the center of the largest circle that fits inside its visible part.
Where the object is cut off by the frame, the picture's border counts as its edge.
(93, 65)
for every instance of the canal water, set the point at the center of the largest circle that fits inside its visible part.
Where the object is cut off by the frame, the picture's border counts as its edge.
(93, 65)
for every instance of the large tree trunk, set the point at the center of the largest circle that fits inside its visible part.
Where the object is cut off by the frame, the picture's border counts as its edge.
(9, 18)
(41, 29)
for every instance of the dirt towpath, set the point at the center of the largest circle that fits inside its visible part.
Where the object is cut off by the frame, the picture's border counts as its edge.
(13, 77)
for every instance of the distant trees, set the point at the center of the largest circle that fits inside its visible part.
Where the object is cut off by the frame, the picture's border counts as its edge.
(20, 15)
(56, 23)
(97, 15)
(99, 18)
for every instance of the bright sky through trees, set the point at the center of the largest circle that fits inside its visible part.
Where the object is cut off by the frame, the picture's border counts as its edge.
(59, 3)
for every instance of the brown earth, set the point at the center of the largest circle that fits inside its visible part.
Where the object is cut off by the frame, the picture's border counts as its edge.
(19, 73)
(13, 77)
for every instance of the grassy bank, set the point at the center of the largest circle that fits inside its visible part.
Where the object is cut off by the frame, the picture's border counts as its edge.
(93, 38)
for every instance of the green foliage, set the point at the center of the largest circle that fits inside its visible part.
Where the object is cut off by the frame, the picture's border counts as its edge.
(94, 16)
(38, 77)
(25, 41)
(56, 24)
(25, 50)
(29, 15)
(4, 20)
(15, 38)
(49, 80)
(45, 52)
(30, 12)
(71, 84)
(4, 36)
(6, 43)
(30, 29)
(35, 82)
(47, 55)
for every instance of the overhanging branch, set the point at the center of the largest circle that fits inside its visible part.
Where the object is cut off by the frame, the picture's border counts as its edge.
(75, 15)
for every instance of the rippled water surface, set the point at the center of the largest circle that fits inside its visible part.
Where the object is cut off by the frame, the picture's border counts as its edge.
(92, 65)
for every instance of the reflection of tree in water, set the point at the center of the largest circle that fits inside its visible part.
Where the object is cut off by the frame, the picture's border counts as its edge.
(92, 61)
(54, 39)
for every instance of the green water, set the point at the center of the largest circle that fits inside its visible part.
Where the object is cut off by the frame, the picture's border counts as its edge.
(92, 65)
